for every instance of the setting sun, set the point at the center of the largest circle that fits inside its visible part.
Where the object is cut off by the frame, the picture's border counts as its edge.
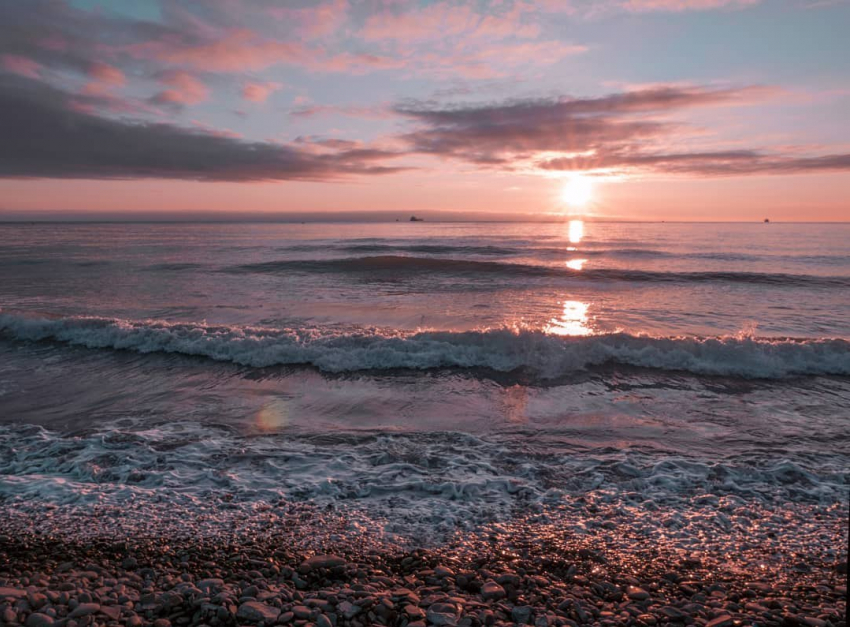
(578, 191)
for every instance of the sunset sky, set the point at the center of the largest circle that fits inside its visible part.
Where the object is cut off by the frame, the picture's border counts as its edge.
(666, 109)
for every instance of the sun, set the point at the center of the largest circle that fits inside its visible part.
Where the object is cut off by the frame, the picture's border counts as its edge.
(578, 191)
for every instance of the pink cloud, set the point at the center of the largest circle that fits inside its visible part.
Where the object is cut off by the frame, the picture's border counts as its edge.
(495, 59)
(442, 20)
(104, 77)
(22, 66)
(107, 74)
(259, 92)
(316, 21)
(243, 50)
(684, 5)
(357, 63)
(239, 50)
(185, 89)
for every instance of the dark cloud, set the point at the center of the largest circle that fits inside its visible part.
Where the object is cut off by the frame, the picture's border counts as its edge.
(497, 133)
(720, 163)
(557, 109)
(48, 133)
(57, 35)
(619, 132)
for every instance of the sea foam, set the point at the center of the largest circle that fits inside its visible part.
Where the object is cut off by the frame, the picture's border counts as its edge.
(543, 355)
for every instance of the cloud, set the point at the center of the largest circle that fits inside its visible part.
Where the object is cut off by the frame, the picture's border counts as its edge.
(618, 133)
(445, 19)
(56, 35)
(104, 78)
(46, 136)
(314, 20)
(310, 110)
(716, 163)
(259, 92)
(499, 133)
(601, 8)
(184, 89)
(238, 50)
(684, 5)
(19, 65)
(491, 60)
(465, 40)
(107, 74)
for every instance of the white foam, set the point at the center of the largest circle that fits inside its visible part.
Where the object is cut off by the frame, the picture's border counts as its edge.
(504, 350)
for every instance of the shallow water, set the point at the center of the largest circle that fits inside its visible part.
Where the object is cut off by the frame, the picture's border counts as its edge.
(429, 374)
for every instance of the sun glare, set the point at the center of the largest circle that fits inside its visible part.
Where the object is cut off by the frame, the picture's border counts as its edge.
(578, 191)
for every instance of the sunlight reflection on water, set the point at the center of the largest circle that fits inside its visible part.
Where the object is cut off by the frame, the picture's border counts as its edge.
(576, 231)
(573, 321)
(576, 264)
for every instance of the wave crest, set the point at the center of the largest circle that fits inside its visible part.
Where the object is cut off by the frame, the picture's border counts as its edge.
(503, 350)
(411, 265)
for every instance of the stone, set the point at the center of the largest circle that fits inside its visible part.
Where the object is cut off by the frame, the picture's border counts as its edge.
(207, 586)
(673, 613)
(508, 579)
(637, 594)
(414, 612)
(14, 593)
(349, 610)
(442, 572)
(84, 609)
(110, 611)
(37, 600)
(39, 620)
(521, 614)
(254, 611)
(323, 621)
(491, 591)
(724, 620)
(321, 561)
(302, 612)
(442, 614)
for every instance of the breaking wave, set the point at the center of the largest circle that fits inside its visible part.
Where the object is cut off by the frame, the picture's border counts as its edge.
(543, 355)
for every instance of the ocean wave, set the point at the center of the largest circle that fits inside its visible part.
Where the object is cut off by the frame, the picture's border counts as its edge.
(543, 355)
(410, 265)
(535, 250)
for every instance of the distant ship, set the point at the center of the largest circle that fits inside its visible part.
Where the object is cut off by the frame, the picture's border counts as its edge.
(415, 219)
(766, 220)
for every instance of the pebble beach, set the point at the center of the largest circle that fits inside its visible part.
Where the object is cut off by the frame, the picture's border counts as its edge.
(720, 563)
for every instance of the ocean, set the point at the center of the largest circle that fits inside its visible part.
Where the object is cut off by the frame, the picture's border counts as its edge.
(425, 379)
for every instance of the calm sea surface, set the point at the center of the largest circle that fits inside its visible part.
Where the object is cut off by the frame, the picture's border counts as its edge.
(446, 371)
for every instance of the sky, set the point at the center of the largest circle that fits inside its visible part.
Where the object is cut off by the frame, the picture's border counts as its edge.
(652, 109)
